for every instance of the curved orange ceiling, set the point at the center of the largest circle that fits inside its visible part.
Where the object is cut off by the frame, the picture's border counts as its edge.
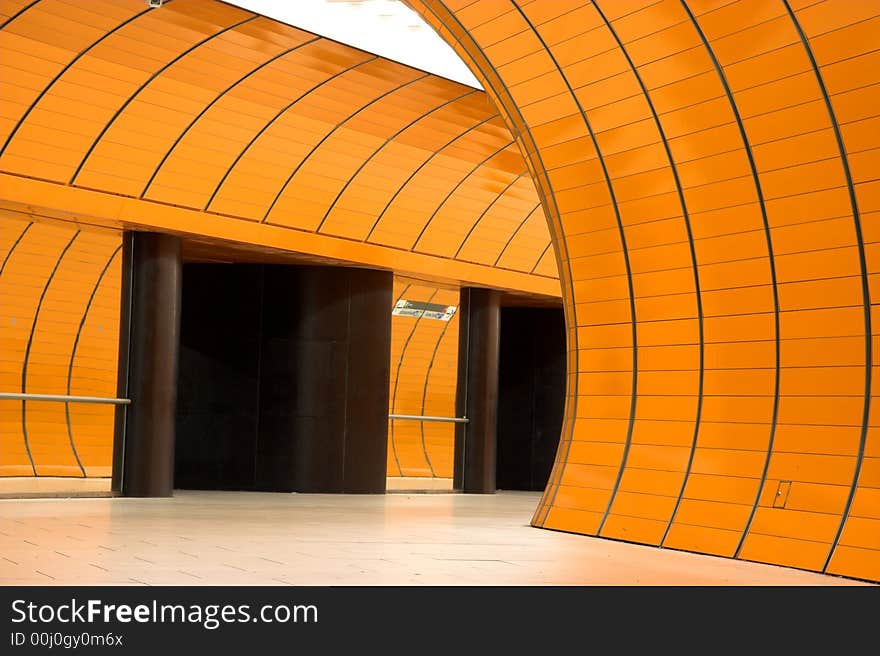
(709, 170)
(204, 106)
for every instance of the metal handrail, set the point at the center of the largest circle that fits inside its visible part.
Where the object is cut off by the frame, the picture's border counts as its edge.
(61, 398)
(453, 420)
(65, 398)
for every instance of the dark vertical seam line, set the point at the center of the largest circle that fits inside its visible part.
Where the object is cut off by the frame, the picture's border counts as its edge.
(278, 115)
(14, 246)
(454, 189)
(632, 303)
(331, 133)
(467, 390)
(485, 211)
(18, 13)
(400, 364)
(219, 97)
(348, 347)
(479, 60)
(690, 235)
(27, 351)
(419, 168)
(379, 149)
(79, 330)
(771, 261)
(2, 269)
(425, 392)
(124, 368)
(563, 263)
(541, 257)
(259, 385)
(394, 398)
(143, 86)
(866, 289)
(515, 233)
(534, 409)
(61, 73)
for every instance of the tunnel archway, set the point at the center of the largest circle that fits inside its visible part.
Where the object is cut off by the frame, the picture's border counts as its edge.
(707, 174)
(705, 168)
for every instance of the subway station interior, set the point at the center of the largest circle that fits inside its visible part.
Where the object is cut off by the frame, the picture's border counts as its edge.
(279, 309)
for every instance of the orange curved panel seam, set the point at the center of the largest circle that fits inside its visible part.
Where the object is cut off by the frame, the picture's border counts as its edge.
(9, 17)
(454, 189)
(329, 134)
(868, 569)
(417, 170)
(368, 160)
(778, 266)
(438, 395)
(13, 461)
(406, 442)
(144, 85)
(27, 350)
(398, 291)
(450, 28)
(99, 413)
(217, 99)
(516, 232)
(278, 116)
(35, 102)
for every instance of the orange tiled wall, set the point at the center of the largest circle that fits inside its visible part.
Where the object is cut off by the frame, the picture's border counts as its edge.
(424, 365)
(709, 169)
(59, 329)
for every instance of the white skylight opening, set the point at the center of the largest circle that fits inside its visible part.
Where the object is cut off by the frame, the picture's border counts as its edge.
(387, 28)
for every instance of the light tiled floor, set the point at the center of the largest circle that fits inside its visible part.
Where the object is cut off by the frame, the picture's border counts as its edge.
(417, 484)
(52, 486)
(252, 538)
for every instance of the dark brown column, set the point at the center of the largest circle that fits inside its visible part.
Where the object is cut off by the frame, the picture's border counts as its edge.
(367, 388)
(476, 395)
(144, 441)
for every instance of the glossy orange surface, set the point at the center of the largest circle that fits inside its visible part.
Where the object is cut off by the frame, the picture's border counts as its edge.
(424, 366)
(236, 127)
(59, 312)
(709, 170)
(205, 119)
